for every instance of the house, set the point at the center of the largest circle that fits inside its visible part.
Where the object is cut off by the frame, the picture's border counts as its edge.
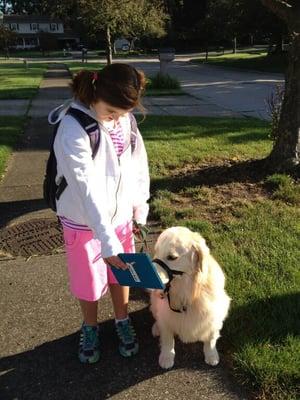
(29, 27)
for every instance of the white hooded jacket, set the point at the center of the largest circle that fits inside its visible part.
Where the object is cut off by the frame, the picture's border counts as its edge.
(106, 191)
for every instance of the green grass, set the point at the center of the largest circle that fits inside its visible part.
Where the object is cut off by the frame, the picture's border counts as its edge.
(260, 254)
(10, 130)
(253, 230)
(250, 61)
(18, 82)
(76, 66)
(284, 188)
(177, 142)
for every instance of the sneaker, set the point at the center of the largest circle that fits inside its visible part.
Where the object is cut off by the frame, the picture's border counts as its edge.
(89, 344)
(128, 342)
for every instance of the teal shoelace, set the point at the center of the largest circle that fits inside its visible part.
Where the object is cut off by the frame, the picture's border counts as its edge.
(126, 332)
(89, 337)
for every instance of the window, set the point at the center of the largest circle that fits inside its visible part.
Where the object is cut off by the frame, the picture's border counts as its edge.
(31, 42)
(20, 42)
(53, 27)
(14, 27)
(34, 27)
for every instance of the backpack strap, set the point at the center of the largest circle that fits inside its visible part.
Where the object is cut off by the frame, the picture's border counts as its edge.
(91, 126)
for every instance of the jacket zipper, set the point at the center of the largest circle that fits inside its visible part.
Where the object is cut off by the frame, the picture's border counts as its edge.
(116, 194)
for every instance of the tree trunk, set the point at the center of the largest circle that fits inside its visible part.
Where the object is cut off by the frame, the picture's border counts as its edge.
(108, 46)
(285, 155)
(6, 49)
(132, 44)
(251, 40)
(234, 45)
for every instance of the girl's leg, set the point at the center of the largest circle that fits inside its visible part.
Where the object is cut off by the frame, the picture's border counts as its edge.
(89, 312)
(120, 294)
(128, 344)
(89, 341)
(120, 297)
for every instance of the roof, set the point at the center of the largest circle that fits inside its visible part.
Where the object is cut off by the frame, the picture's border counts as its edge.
(29, 19)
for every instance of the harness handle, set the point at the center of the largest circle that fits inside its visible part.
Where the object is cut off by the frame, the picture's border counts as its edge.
(171, 273)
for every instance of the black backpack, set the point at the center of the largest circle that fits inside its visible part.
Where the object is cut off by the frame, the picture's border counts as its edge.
(51, 190)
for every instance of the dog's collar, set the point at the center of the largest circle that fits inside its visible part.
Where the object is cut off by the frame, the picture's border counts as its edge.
(171, 273)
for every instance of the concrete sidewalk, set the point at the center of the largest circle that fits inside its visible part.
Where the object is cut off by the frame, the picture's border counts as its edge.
(185, 105)
(40, 319)
(221, 91)
(201, 98)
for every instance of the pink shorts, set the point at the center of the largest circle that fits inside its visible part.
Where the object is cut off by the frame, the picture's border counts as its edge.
(89, 276)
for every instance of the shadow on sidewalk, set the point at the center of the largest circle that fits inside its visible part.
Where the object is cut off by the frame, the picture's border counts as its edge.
(52, 370)
(14, 209)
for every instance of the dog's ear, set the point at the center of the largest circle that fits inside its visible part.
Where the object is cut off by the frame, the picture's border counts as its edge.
(201, 251)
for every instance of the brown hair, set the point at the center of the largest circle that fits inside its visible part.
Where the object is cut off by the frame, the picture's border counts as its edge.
(119, 85)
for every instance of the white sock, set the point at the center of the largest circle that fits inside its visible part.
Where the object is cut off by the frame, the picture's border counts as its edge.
(121, 320)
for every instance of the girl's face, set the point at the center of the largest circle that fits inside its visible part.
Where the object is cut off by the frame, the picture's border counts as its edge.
(106, 112)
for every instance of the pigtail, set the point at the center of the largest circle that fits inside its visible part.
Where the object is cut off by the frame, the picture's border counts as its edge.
(84, 87)
(142, 81)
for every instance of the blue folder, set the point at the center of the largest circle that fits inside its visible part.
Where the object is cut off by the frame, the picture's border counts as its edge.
(140, 273)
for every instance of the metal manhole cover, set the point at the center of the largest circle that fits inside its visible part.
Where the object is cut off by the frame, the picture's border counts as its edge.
(36, 237)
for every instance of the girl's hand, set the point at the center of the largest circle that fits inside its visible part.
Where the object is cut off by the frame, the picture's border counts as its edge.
(136, 229)
(140, 233)
(115, 261)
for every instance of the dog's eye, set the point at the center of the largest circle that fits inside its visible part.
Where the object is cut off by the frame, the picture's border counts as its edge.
(172, 257)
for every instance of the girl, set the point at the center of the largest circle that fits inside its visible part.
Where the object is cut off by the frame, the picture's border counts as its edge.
(104, 194)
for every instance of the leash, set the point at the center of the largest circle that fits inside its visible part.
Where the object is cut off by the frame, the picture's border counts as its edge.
(140, 234)
(171, 273)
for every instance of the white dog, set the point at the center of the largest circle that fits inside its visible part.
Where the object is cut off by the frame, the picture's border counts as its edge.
(195, 303)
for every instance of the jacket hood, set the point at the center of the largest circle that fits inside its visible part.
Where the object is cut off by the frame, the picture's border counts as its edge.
(57, 114)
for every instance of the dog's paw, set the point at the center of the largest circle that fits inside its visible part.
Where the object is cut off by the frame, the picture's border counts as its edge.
(212, 357)
(155, 330)
(166, 360)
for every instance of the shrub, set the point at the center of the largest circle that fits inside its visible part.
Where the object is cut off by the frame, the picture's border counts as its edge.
(160, 81)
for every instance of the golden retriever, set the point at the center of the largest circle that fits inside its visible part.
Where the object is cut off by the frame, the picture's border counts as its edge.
(197, 303)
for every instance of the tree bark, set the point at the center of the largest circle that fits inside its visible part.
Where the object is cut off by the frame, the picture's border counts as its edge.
(108, 46)
(286, 151)
(285, 155)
